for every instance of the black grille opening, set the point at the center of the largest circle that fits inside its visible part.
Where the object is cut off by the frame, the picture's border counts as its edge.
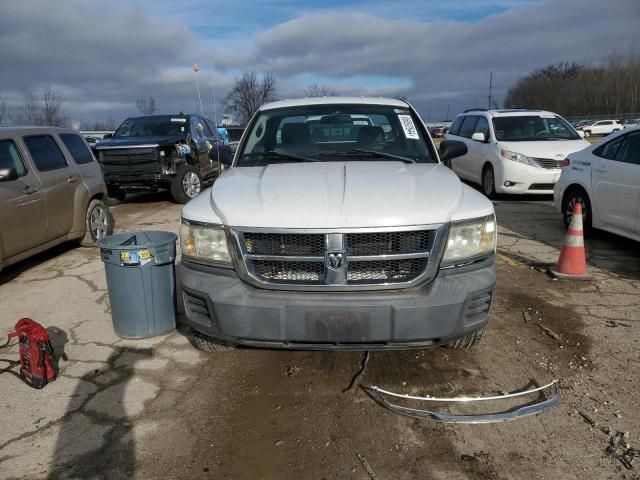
(289, 272)
(385, 271)
(197, 308)
(478, 307)
(386, 243)
(284, 243)
(541, 186)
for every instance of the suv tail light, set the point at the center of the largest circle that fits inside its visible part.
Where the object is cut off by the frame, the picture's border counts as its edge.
(565, 162)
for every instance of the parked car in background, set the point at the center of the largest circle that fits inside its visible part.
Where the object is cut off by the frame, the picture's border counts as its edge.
(51, 191)
(632, 122)
(513, 151)
(605, 179)
(353, 237)
(161, 152)
(601, 127)
(436, 132)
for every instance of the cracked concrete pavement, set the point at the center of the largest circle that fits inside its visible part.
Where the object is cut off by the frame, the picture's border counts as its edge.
(158, 408)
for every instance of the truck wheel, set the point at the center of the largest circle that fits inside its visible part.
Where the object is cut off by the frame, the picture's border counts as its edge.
(488, 182)
(466, 342)
(587, 133)
(205, 343)
(98, 223)
(186, 184)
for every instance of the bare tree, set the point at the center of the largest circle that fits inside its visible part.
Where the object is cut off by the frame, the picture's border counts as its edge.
(249, 93)
(610, 87)
(43, 110)
(147, 106)
(317, 90)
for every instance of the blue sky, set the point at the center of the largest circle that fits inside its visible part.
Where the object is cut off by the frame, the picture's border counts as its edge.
(436, 53)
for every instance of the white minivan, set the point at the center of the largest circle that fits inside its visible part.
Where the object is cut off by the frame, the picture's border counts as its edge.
(513, 151)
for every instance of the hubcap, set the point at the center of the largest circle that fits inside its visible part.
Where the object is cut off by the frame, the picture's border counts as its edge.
(98, 222)
(191, 184)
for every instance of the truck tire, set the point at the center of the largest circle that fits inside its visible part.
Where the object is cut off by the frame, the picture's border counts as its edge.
(98, 223)
(205, 343)
(186, 185)
(466, 342)
(117, 193)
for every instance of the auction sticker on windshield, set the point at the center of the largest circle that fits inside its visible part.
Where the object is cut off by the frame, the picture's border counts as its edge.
(410, 130)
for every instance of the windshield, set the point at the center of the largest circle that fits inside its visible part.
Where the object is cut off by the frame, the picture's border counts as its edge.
(533, 128)
(336, 132)
(156, 126)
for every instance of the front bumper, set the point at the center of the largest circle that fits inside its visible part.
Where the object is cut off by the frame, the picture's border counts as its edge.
(526, 179)
(457, 302)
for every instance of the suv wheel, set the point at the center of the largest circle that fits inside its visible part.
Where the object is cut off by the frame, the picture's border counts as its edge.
(98, 223)
(466, 342)
(488, 182)
(205, 343)
(186, 185)
(571, 198)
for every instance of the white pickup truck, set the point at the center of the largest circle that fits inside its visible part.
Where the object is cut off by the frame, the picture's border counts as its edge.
(337, 227)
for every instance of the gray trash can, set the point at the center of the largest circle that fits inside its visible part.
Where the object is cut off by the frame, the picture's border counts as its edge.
(141, 282)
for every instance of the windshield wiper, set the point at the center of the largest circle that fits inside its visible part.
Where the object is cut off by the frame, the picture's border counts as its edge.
(360, 152)
(274, 154)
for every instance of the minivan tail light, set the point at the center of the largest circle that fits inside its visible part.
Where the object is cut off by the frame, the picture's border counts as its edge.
(565, 162)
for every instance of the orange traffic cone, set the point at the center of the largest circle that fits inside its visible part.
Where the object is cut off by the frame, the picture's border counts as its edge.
(572, 262)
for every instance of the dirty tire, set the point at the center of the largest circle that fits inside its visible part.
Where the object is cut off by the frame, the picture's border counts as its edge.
(205, 343)
(186, 185)
(117, 194)
(98, 223)
(488, 182)
(468, 341)
(571, 197)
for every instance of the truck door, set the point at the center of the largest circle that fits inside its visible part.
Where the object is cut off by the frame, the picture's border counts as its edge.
(22, 208)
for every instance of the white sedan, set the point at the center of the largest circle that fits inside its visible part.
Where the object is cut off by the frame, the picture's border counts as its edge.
(605, 178)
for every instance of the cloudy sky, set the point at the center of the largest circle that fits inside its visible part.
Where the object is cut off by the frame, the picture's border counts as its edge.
(437, 53)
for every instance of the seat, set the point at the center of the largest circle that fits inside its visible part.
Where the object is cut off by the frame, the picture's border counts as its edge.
(368, 135)
(295, 134)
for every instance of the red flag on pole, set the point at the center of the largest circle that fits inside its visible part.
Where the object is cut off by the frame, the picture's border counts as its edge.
(195, 68)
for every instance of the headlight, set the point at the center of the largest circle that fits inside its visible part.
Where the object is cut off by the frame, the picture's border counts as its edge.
(205, 243)
(517, 157)
(470, 240)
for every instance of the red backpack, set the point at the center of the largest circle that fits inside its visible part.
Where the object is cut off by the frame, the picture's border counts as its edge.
(37, 365)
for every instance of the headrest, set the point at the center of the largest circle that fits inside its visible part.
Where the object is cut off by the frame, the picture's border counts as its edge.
(369, 134)
(295, 133)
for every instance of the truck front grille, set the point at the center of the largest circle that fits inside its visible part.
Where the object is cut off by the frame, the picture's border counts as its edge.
(129, 161)
(342, 260)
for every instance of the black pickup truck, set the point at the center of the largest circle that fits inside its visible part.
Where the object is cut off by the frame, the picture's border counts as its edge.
(161, 152)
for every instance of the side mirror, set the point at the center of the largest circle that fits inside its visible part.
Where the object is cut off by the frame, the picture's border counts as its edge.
(581, 133)
(450, 149)
(108, 135)
(222, 154)
(479, 137)
(8, 174)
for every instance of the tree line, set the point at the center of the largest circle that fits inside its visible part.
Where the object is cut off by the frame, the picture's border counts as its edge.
(610, 87)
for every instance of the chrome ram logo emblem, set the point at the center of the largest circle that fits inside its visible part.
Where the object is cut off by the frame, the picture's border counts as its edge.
(336, 260)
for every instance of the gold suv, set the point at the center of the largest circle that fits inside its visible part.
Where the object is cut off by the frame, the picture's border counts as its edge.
(51, 191)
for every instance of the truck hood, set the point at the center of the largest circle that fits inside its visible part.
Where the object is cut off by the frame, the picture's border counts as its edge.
(337, 195)
(138, 142)
(553, 149)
